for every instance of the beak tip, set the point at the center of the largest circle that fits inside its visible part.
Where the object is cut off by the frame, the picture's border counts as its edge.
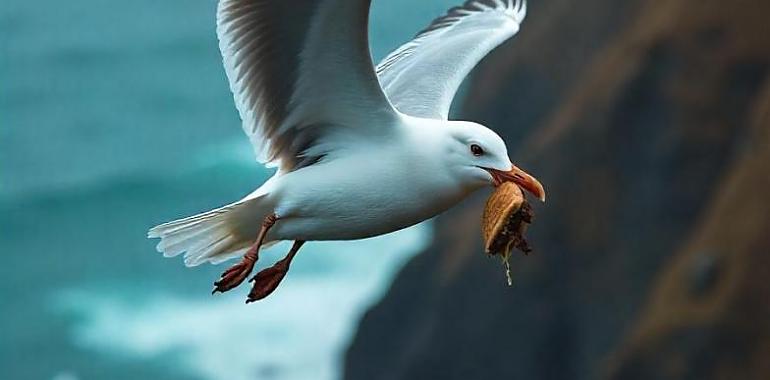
(521, 178)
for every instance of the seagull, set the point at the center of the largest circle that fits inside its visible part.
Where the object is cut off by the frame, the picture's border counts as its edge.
(360, 150)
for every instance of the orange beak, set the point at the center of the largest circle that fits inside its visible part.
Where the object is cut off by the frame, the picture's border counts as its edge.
(519, 177)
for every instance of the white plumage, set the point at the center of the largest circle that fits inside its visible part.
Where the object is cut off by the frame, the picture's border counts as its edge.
(422, 76)
(360, 151)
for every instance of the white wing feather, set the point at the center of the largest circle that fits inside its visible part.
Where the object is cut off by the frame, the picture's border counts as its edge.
(422, 76)
(300, 72)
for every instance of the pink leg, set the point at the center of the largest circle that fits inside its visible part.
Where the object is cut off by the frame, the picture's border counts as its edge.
(268, 279)
(235, 275)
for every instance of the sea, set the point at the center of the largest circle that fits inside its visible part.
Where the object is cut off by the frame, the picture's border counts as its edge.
(116, 116)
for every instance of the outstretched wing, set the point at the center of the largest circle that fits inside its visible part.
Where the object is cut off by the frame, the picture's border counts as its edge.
(422, 76)
(301, 74)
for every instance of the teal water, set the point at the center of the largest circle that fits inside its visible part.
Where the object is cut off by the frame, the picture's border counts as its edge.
(116, 116)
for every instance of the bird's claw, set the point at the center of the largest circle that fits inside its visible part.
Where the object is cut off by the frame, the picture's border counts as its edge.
(266, 281)
(233, 276)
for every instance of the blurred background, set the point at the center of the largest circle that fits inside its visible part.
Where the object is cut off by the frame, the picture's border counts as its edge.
(648, 123)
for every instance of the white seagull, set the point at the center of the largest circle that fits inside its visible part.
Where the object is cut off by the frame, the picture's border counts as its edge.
(360, 151)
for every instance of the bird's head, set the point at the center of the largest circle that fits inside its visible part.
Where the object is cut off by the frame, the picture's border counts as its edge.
(480, 158)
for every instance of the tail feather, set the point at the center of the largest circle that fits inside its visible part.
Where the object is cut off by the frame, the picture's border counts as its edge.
(174, 243)
(213, 236)
(223, 246)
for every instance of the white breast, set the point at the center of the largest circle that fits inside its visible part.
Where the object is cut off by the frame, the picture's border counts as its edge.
(363, 194)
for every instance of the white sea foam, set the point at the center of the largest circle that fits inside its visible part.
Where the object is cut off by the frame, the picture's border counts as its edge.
(300, 332)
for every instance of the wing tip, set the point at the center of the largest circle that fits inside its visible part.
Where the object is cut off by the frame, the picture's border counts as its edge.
(518, 9)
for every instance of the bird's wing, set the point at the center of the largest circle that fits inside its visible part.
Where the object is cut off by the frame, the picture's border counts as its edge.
(301, 74)
(422, 76)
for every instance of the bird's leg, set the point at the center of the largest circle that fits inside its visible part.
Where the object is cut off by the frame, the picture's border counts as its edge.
(267, 280)
(235, 275)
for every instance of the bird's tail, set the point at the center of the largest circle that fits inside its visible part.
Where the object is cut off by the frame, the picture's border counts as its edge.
(213, 236)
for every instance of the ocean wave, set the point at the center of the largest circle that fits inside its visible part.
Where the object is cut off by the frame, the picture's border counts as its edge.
(300, 332)
(232, 159)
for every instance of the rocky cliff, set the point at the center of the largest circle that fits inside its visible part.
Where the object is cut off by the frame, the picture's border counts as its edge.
(649, 124)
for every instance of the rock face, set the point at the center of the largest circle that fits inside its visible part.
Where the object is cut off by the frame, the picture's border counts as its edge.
(649, 125)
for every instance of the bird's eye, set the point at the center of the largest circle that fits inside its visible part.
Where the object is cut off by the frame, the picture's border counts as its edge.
(476, 150)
